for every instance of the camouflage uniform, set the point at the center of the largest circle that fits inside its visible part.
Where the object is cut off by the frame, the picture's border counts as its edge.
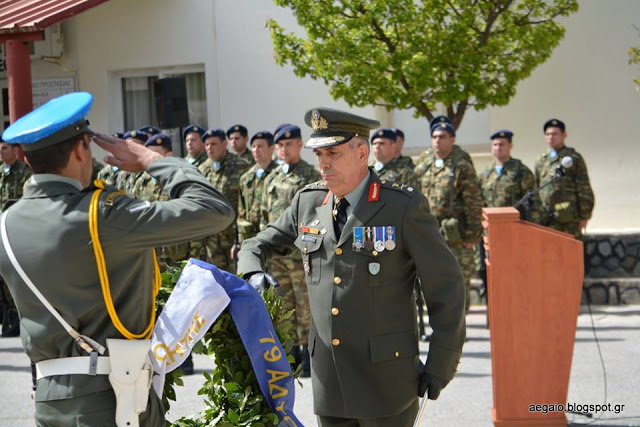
(227, 181)
(428, 154)
(251, 190)
(97, 167)
(509, 186)
(146, 188)
(466, 209)
(397, 171)
(279, 189)
(247, 156)
(12, 182)
(406, 160)
(569, 200)
(198, 160)
(109, 174)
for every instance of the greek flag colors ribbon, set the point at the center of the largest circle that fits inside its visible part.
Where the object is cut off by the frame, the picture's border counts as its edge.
(200, 296)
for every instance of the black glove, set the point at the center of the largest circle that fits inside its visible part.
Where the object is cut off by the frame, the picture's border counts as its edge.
(432, 384)
(261, 281)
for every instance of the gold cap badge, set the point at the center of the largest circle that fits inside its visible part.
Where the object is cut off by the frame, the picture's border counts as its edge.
(158, 140)
(317, 121)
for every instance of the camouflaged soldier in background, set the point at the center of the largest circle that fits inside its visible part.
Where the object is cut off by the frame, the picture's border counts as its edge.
(13, 178)
(403, 160)
(508, 180)
(223, 170)
(126, 180)
(568, 202)
(252, 185)
(451, 186)
(387, 165)
(109, 174)
(238, 136)
(457, 152)
(192, 136)
(280, 187)
(146, 188)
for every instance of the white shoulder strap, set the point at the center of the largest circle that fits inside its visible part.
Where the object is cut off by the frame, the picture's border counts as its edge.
(85, 342)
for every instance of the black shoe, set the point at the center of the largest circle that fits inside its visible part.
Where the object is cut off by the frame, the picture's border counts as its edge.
(12, 327)
(306, 363)
(425, 338)
(13, 331)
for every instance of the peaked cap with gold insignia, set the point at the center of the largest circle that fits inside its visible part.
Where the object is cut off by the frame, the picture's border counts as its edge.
(334, 127)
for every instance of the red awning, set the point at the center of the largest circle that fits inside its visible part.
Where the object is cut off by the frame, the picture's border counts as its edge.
(29, 16)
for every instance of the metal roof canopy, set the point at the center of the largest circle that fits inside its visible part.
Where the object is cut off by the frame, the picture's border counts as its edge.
(26, 19)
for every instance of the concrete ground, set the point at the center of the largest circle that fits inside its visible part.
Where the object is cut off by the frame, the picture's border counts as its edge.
(467, 401)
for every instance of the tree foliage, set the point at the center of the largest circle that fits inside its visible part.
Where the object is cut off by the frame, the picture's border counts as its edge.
(634, 58)
(416, 54)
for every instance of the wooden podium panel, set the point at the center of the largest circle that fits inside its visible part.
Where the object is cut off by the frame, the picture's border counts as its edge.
(535, 277)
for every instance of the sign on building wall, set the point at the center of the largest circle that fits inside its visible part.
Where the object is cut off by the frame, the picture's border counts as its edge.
(45, 89)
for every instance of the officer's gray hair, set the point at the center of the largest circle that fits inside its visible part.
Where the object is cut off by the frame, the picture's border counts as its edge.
(357, 141)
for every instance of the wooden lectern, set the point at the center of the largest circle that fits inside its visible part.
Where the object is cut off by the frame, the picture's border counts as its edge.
(534, 284)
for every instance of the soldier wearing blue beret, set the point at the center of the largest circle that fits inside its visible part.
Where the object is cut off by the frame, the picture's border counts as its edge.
(192, 136)
(149, 130)
(568, 202)
(363, 242)
(85, 286)
(440, 123)
(386, 164)
(239, 137)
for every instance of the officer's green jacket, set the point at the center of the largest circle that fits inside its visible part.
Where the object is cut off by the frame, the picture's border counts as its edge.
(364, 339)
(49, 233)
(509, 187)
(12, 182)
(570, 199)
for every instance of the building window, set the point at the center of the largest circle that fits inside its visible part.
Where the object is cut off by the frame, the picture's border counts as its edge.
(138, 98)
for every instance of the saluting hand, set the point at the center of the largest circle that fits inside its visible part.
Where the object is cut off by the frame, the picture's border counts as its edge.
(125, 155)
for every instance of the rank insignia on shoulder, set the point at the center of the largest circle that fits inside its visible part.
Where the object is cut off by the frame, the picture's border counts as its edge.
(374, 192)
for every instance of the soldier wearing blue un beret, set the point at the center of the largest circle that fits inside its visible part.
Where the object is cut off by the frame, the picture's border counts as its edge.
(91, 285)
(149, 130)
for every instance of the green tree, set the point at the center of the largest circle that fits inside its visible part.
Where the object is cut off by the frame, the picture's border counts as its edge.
(410, 54)
(634, 58)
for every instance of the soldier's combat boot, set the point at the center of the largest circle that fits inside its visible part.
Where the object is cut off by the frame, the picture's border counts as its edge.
(13, 329)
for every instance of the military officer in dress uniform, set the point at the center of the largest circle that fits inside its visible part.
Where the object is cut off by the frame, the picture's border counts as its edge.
(279, 189)
(363, 243)
(13, 176)
(223, 169)
(75, 216)
(386, 164)
(568, 202)
(239, 137)
(192, 136)
(507, 180)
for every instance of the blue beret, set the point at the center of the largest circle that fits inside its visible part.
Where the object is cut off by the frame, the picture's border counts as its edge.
(280, 126)
(554, 123)
(444, 126)
(150, 129)
(119, 135)
(215, 132)
(58, 120)
(288, 132)
(136, 134)
(502, 133)
(399, 133)
(437, 120)
(238, 128)
(159, 140)
(265, 134)
(384, 133)
(192, 128)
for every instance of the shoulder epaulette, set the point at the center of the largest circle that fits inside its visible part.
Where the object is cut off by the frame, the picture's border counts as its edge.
(408, 190)
(318, 185)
